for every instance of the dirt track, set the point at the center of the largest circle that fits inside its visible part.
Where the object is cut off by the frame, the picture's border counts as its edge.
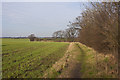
(67, 66)
(74, 66)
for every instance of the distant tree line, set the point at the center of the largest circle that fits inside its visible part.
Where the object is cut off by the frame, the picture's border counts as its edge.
(32, 37)
(97, 27)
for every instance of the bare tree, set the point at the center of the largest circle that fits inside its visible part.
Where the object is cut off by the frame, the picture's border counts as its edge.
(32, 37)
(58, 34)
(99, 27)
(72, 32)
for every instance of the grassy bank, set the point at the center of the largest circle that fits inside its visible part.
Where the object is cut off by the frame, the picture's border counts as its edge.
(96, 65)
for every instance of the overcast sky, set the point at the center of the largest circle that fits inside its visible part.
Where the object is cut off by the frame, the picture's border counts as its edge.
(42, 19)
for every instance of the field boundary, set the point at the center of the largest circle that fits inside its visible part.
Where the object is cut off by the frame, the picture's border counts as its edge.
(61, 64)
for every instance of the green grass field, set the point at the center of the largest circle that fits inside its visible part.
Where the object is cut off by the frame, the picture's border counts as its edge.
(25, 59)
